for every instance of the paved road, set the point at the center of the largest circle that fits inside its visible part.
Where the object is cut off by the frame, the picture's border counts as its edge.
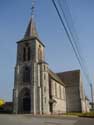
(29, 120)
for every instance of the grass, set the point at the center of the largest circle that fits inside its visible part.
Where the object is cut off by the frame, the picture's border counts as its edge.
(88, 114)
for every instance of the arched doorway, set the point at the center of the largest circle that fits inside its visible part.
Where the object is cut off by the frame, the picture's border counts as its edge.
(25, 101)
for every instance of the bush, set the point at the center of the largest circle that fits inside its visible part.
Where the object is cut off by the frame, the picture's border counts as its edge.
(89, 114)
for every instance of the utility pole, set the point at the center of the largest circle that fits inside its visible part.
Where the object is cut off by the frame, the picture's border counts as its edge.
(92, 101)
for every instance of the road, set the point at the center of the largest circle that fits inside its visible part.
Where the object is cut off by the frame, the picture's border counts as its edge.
(30, 120)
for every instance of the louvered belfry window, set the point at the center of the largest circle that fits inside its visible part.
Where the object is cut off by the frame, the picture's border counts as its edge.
(26, 74)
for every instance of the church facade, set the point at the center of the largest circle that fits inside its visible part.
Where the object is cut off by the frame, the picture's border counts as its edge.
(37, 89)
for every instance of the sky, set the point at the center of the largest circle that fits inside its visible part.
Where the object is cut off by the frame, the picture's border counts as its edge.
(14, 18)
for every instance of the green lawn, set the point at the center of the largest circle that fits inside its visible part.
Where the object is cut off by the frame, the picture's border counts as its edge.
(89, 114)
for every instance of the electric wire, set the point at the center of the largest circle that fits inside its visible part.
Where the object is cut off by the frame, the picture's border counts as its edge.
(71, 40)
(73, 34)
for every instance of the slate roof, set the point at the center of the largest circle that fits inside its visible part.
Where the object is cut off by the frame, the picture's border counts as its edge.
(55, 77)
(31, 30)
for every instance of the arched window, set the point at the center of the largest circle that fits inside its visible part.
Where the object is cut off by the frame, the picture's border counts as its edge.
(29, 53)
(26, 74)
(39, 53)
(24, 54)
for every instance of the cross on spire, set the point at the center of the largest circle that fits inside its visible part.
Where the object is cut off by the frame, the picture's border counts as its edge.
(33, 8)
(31, 30)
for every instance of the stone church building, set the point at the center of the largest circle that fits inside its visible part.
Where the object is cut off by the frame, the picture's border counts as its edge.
(37, 89)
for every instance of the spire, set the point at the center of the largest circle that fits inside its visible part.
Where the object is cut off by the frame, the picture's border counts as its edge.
(31, 29)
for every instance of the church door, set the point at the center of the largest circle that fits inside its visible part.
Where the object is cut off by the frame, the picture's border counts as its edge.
(51, 108)
(24, 101)
(26, 104)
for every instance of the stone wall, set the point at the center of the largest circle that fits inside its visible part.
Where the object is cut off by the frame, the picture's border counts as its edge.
(75, 101)
(45, 88)
(58, 94)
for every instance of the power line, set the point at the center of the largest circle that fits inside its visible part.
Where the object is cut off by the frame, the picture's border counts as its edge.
(74, 47)
(70, 40)
(73, 35)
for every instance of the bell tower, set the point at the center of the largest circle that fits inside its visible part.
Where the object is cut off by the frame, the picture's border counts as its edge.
(31, 74)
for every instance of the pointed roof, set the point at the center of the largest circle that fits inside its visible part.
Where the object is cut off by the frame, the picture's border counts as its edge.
(31, 29)
(31, 32)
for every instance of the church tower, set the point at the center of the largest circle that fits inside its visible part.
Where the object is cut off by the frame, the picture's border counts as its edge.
(31, 83)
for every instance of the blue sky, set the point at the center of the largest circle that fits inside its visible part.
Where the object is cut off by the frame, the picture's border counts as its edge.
(14, 17)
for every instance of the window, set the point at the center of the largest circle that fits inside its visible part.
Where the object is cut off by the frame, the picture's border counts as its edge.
(24, 54)
(45, 89)
(26, 74)
(44, 67)
(45, 100)
(44, 76)
(29, 53)
(55, 89)
(39, 53)
(63, 92)
(60, 91)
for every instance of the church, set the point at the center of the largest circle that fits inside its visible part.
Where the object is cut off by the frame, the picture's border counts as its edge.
(37, 89)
